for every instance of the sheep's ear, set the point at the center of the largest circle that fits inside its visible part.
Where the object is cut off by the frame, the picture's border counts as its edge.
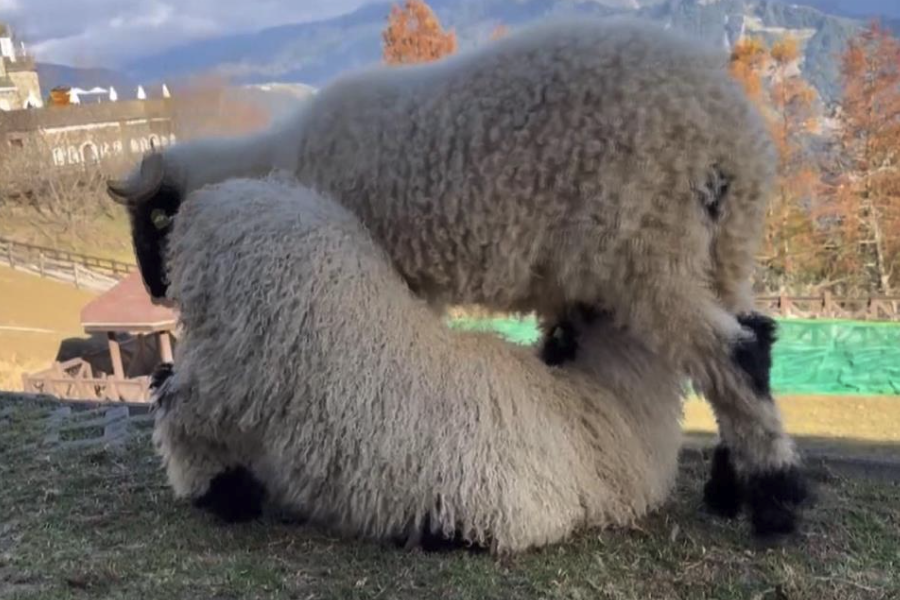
(139, 187)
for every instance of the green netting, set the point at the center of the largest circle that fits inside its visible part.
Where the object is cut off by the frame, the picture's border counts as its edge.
(810, 357)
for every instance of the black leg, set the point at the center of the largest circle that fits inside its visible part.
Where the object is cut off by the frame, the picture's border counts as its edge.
(560, 344)
(429, 541)
(235, 496)
(161, 374)
(773, 497)
(723, 493)
(755, 357)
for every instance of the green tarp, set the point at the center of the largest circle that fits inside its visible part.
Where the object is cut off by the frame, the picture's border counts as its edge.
(810, 357)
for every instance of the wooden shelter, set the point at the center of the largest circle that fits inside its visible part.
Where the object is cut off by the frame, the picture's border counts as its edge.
(139, 334)
(128, 309)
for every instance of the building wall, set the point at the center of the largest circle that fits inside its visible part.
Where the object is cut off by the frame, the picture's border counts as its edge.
(72, 136)
(27, 86)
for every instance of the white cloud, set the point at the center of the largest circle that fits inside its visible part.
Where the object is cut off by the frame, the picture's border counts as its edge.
(111, 32)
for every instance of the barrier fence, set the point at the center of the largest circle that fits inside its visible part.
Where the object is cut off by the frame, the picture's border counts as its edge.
(810, 356)
(82, 270)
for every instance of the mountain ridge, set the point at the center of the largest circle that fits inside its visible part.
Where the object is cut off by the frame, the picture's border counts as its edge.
(314, 53)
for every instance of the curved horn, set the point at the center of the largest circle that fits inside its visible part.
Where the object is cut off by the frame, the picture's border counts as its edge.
(141, 187)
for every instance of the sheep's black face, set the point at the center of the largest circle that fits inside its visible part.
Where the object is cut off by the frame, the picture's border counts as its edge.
(151, 223)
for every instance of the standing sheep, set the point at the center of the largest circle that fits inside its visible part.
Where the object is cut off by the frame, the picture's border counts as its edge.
(605, 164)
(308, 373)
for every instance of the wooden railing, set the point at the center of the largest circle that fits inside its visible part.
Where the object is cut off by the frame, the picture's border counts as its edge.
(826, 306)
(74, 379)
(81, 269)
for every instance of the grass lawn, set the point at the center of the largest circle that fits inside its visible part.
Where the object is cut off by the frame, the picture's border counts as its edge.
(35, 316)
(102, 524)
(873, 420)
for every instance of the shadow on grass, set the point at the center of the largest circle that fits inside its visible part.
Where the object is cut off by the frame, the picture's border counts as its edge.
(849, 456)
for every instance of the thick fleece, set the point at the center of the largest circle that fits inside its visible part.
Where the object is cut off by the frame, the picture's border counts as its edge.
(306, 360)
(604, 163)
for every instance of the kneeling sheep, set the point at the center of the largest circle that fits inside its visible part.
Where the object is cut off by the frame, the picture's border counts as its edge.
(308, 369)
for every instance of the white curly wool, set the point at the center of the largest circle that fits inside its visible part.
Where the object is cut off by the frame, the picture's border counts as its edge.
(305, 358)
(606, 163)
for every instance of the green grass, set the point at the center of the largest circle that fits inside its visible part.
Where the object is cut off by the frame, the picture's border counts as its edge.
(103, 524)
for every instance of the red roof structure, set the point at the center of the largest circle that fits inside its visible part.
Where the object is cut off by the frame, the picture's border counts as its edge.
(127, 308)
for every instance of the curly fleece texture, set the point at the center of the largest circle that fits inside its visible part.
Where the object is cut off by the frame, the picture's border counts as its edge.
(608, 163)
(305, 358)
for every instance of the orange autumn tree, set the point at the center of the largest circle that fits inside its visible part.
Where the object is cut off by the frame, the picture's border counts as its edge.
(793, 254)
(867, 198)
(791, 236)
(414, 35)
(499, 31)
(749, 62)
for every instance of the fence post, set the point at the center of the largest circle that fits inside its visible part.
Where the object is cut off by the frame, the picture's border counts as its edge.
(785, 305)
(41, 262)
(9, 255)
(75, 272)
(827, 305)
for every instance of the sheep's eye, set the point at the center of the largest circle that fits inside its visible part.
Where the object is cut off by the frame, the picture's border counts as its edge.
(160, 219)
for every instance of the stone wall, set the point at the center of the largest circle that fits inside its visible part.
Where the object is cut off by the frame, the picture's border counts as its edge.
(20, 87)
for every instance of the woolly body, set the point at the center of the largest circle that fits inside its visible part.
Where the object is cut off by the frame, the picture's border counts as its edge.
(553, 167)
(307, 360)
(607, 163)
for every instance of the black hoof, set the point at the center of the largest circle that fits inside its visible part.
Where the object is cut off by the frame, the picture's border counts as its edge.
(235, 496)
(723, 494)
(775, 499)
(432, 542)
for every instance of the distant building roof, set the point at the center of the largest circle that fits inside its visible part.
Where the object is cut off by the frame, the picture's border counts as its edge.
(127, 308)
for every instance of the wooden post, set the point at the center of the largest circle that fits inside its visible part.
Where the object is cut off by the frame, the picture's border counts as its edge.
(41, 263)
(165, 346)
(827, 305)
(115, 352)
(9, 255)
(75, 271)
(785, 305)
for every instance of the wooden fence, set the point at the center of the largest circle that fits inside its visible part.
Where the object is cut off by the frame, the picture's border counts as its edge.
(102, 273)
(826, 306)
(91, 272)
(74, 379)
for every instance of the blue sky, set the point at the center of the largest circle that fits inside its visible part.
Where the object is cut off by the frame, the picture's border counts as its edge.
(106, 32)
(110, 32)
